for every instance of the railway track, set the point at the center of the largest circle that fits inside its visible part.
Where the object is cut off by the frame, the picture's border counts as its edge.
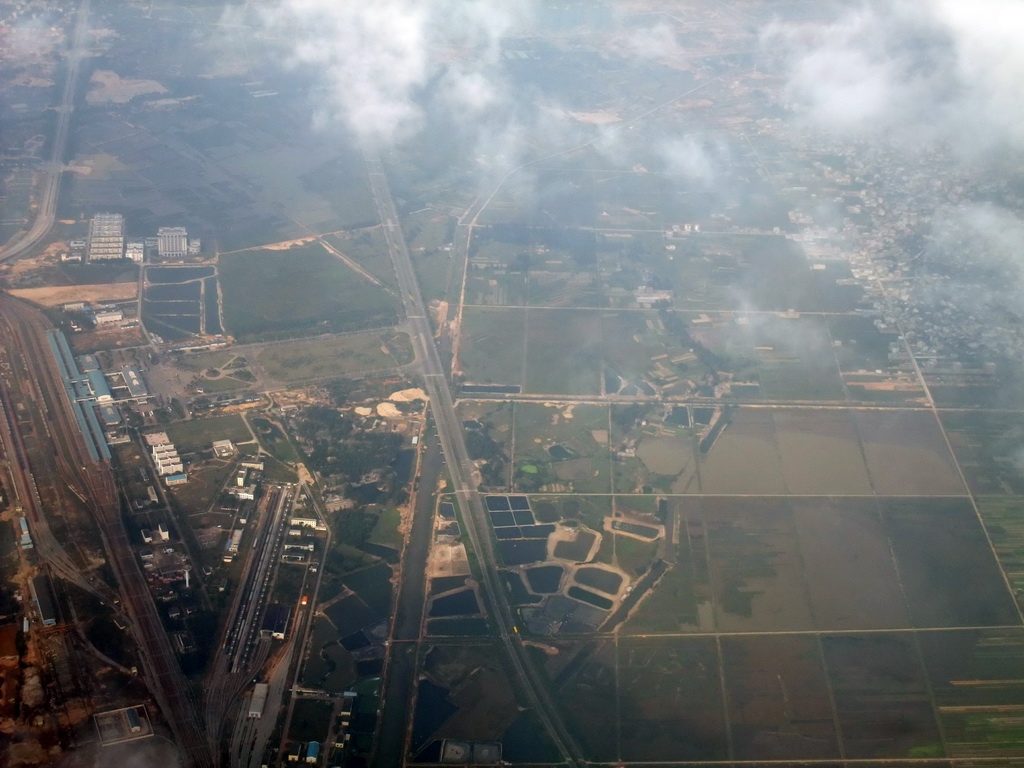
(94, 483)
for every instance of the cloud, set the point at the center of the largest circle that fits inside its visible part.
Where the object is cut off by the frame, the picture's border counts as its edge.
(652, 43)
(702, 159)
(916, 71)
(375, 60)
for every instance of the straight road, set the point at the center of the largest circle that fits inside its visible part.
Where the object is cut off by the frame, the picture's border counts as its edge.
(463, 473)
(47, 207)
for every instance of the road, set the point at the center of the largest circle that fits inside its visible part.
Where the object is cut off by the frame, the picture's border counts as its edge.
(46, 210)
(463, 474)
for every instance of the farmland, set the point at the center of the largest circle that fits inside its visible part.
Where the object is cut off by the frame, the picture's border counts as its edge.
(301, 291)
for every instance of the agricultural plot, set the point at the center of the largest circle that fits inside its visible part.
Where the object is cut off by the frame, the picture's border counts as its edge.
(754, 565)
(300, 291)
(670, 700)
(976, 677)
(790, 357)
(881, 696)
(563, 352)
(335, 356)
(491, 348)
(778, 698)
(987, 447)
(1005, 526)
(561, 448)
(947, 568)
(487, 428)
(906, 453)
(587, 688)
(180, 302)
(830, 452)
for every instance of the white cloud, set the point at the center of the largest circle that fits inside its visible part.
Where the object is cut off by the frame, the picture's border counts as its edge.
(375, 57)
(919, 72)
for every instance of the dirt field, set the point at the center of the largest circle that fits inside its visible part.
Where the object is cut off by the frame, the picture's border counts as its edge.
(108, 87)
(51, 296)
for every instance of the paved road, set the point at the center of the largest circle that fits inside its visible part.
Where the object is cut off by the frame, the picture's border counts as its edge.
(47, 208)
(464, 476)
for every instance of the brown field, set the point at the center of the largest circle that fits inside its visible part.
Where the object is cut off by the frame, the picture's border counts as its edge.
(778, 699)
(108, 87)
(52, 296)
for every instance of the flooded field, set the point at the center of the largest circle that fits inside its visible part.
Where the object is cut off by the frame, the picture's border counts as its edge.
(851, 577)
(820, 563)
(907, 454)
(755, 566)
(833, 452)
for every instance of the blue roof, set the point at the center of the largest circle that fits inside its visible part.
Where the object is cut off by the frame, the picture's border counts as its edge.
(313, 750)
(111, 417)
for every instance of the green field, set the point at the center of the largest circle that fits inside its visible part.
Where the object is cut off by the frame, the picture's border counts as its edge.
(560, 449)
(334, 356)
(301, 291)
(196, 434)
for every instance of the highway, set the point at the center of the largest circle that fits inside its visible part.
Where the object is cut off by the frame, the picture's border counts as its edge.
(463, 474)
(46, 209)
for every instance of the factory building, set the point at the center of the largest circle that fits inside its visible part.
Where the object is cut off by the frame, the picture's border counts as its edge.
(258, 701)
(42, 597)
(275, 621)
(172, 242)
(106, 237)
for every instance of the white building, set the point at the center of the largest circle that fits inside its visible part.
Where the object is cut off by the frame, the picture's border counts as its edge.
(106, 237)
(171, 242)
(135, 251)
(109, 316)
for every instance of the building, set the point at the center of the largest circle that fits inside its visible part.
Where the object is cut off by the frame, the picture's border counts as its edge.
(223, 448)
(166, 459)
(105, 316)
(313, 752)
(73, 306)
(135, 251)
(133, 380)
(171, 242)
(42, 597)
(26, 538)
(294, 751)
(134, 724)
(179, 479)
(106, 237)
(258, 701)
(309, 522)
(162, 533)
(275, 621)
(232, 546)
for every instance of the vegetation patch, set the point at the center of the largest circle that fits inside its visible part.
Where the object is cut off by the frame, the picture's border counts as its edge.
(301, 291)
